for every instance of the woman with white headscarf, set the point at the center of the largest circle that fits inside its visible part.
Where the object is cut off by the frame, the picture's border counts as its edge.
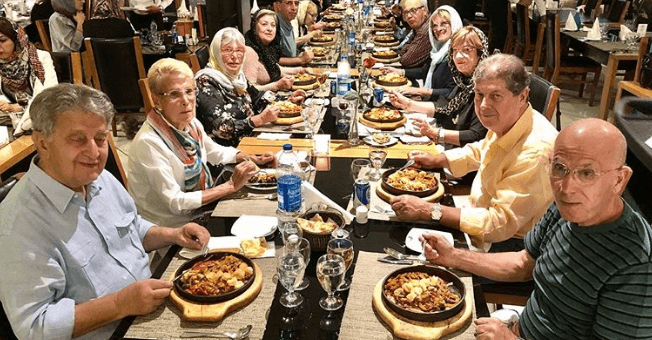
(67, 25)
(436, 76)
(227, 105)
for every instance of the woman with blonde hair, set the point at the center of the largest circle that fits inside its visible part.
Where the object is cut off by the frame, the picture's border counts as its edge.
(307, 24)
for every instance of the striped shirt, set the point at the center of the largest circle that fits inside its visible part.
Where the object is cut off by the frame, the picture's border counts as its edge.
(590, 282)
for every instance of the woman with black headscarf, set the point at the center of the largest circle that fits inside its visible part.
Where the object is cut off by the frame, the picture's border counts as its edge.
(67, 25)
(262, 53)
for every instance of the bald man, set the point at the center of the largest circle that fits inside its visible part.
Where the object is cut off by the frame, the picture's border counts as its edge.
(590, 254)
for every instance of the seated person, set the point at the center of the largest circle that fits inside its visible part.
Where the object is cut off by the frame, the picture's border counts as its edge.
(24, 72)
(306, 23)
(263, 53)
(415, 51)
(589, 255)
(510, 192)
(227, 105)
(67, 25)
(436, 76)
(167, 171)
(72, 241)
(458, 119)
(286, 11)
(103, 9)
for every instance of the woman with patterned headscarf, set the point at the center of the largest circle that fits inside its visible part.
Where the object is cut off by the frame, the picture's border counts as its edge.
(24, 72)
(67, 25)
(459, 123)
(227, 105)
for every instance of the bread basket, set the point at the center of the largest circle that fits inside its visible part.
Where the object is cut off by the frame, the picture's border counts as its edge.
(319, 241)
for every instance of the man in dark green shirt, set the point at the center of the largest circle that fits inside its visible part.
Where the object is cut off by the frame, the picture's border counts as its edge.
(590, 255)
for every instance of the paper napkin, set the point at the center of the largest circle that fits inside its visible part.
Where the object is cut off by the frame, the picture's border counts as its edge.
(570, 23)
(314, 196)
(594, 33)
(274, 136)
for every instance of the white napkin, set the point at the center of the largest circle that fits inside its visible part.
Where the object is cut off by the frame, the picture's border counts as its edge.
(594, 33)
(378, 65)
(624, 31)
(411, 139)
(314, 196)
(224, 242)
(274, 136)
(571, 25)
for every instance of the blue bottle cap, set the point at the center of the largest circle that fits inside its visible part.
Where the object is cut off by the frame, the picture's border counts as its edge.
(287, 146)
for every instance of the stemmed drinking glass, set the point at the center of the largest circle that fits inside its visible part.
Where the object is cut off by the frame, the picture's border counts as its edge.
(330, 273)
(344, 248)
(301, 246)
(289, 229)
(377, 158)
(359, 167)
(291, 267)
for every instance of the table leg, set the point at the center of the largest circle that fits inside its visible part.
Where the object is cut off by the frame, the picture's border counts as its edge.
(612, 67)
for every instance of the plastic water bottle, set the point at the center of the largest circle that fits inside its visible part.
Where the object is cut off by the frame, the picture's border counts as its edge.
(289, 186)
(343, 75)
(153, 28)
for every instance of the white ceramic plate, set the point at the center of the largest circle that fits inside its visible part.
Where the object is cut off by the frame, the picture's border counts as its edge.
(257, 186)
(369, 140)
(412, 239)
(250, 226)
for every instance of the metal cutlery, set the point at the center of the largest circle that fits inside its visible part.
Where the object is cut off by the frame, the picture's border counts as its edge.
(388, 211)
(242, 333)
(270, 197)
(407, 165)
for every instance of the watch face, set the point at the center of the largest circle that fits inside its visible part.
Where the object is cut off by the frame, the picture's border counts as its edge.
(436, 213)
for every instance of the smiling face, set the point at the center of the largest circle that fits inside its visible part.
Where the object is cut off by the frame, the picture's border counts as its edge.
(177, 102)
(76, 152)
(266, 29)
(465, 58)
(6, 47)
(441, 28)
(496, 107)
(232, 57)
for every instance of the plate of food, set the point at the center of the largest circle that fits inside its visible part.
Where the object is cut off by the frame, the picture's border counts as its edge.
(320, 51)
(410, 181)
(288, 109)
(333, 25)
(385, 55)
(333, 17)
(392, 79)
(265, 179)
(382, 24)
(385, 40)
(304, 79)
(383, 114)
(317, 226)
(380, 139)
(423, 293)
(214, 277)
(324, 39)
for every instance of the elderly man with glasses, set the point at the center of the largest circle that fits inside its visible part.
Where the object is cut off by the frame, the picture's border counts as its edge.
(286, 10)
(416, 51)
(590, 255)
(510, 192)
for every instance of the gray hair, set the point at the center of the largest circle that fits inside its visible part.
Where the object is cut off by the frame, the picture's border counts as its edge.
(423, 3)
(54, 101)
(164, 67)
(507, 67)
(65, 7)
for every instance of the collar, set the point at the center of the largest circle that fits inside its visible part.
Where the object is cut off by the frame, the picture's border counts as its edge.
(522, 128)
(282, 21)
(602, 228)
(59, 194)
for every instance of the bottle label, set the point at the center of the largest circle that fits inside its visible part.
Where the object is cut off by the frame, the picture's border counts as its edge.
(289, 193)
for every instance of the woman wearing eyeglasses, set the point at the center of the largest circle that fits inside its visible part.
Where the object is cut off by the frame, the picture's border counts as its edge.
(459, 123)
(167, 172)
(228, 106)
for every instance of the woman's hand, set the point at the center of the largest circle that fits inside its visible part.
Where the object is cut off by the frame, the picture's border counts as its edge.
(269, 114)
(79, 17)
(425, 129)
(243, 171)
(399, 100)
(6, 107)
(319, 25)
(389, 69)
(298, 97)
(285, 83)
(316, 33)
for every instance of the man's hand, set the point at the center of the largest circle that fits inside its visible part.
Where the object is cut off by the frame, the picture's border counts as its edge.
(412, 208)
(153, 9)
(192, 236)
(285, 83)
(243, 171)
(398, 100)
(265, 158)
(298, 97)
(426, 161)
(142, 297)
(306, 57)
(6, 107)
(438, 250)
(492, 329)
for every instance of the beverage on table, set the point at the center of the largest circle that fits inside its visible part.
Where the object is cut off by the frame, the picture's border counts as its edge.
(330, 274)
(289, 186)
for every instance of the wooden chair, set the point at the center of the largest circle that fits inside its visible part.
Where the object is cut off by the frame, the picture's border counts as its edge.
(509, 41)
(591, 9)
(617, 11)
(571, 66)
(544, 97)
(201, 14)
(538, 46)
(116, 65)
(197, 60)
(113, 163)
(522, 47)
(146, 92)
(43, 28)
(68, 67)
(634, 87)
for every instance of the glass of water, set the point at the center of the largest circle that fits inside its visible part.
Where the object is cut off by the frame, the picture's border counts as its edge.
(377, 158)
(301, 246)
(330, 273)
(291, 268)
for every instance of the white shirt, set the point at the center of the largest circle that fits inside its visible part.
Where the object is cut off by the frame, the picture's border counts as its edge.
(155, 177)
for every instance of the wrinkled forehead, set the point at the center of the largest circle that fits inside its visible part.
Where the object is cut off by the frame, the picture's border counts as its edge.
(410, 4)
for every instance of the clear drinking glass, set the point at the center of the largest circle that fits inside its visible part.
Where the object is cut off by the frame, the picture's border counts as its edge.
(330, 273)
(301, 246)
(344, 248)
(359, 167)
(377, 158)
(290, 228)
(291, 268)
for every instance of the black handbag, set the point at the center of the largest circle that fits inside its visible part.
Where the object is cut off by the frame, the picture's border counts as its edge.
(646, 71)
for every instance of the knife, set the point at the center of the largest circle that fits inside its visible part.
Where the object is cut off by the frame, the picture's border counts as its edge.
(391, 260)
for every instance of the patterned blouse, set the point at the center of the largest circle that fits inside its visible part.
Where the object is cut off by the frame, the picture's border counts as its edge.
(225, 115)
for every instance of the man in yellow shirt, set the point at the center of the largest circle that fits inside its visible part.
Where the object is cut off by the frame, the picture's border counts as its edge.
(511, 191)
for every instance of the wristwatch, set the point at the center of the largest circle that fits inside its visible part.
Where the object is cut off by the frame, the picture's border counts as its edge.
(435, 213)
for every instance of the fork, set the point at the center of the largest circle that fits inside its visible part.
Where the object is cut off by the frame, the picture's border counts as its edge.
(388, 211)
(270, 197)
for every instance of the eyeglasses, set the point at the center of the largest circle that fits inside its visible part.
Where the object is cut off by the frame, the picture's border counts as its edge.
(295, 3)
(464, 52)
(412, 11)
(176, 94)
(228, 51)
(443, 25)
(559, 171)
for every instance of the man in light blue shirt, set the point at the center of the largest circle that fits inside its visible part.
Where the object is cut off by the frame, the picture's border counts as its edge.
(286, 11)
(73, 249)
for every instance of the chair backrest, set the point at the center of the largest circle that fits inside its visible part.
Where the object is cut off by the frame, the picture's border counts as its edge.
(201, 15)
(553, 59)
(543, 96)
(116, 66)
(591, 8)
(68, 67)
(41, 10)
(509, 42)
(146, 92)
(617, 11)
(522, 26)
(43, 28)
(108, 28)
(643, 49)
(113, 163)
(222, 13)
(202, 56)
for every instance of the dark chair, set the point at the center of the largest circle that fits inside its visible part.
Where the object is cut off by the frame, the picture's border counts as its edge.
(616, 13)
(68, 67)
(201, 14)
(113, 163)
(571, 66)
(108, 28)
(200, 58)
(509, 41)
(591, 8)
(6, 333)
(116, 67)
(43, 28)
(544, 97)
(523, 46)
(40, 11)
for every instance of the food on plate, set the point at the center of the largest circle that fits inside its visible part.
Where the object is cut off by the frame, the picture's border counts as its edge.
(304, 79)
(316, 225)
(386, 38)
(389, 54)
(331, 26)
(319, 51)
(412, 179)
(381, 24)
(255, 247)
(216, 277)
(332, 17)
(381, 138)
(419, 292)
(382, 113)
(324, 38)
(392, 79)
(263, 178)
(287, 106)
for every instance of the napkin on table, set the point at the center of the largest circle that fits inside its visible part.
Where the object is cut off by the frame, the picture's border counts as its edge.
(624, 31)
(571, 25)
(314, 196)
(414, 140)
(274, 136)
(225, 242)
(594, 33)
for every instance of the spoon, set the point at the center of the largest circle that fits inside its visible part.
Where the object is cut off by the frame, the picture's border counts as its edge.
(407, 165)
(242, 333)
